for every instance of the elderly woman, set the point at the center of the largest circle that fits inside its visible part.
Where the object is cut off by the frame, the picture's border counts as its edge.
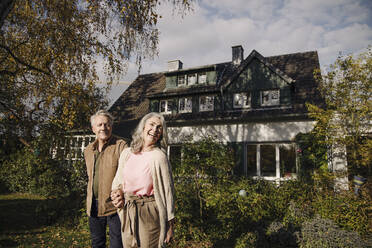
(143, 187)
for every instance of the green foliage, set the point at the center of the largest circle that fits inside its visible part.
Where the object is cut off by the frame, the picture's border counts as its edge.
(211, 213)
(323, 233)
(279, 235)
(247, 240)
(204, 164)
(346, 119)
(312, 153)
(52, 52)
(34, 171)
(27, 173)
(346, 210)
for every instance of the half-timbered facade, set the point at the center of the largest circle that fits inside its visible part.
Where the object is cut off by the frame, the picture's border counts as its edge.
(256, 104)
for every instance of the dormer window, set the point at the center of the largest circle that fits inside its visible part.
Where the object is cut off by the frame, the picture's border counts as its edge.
(242, 100)
(165, 107)
(185, 105)
(191, 79)
(202, 77)
(270, 97)
(206, 103)
(181, 80)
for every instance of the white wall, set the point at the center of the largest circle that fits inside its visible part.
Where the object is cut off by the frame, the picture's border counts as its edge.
(247, 132)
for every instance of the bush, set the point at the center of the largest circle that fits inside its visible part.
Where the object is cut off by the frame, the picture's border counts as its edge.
(247, 240)
(318, 233)
(279, 235)
(344, 209)
(210, 212)
(28, 172)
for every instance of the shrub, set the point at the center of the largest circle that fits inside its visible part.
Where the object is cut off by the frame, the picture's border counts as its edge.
(279, 235)
(204, 164)
(27, 172)
(211, 213)
(344, 209)
(247, 240)
(318, 233)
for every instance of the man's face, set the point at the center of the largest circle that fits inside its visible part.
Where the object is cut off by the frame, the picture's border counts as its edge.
(102, 128)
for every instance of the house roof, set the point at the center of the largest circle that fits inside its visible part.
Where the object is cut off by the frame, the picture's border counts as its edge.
(296, 69)
(253, 55)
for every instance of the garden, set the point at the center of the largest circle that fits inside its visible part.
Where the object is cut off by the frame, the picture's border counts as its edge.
(43, 205)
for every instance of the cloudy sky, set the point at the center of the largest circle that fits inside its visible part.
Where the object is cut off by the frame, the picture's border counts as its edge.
(272, 27)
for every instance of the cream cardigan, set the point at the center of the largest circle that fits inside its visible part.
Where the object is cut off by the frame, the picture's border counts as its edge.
(163, 187)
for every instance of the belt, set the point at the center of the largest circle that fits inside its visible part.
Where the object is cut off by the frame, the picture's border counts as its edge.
(131, 212)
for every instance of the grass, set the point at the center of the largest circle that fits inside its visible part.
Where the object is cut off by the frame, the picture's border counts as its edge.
(33, 221)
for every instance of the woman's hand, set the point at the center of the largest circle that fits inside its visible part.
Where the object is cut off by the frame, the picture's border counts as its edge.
(169, 236)
(117, 198)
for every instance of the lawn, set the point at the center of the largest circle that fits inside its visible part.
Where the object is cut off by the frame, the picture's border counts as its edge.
(33, 221)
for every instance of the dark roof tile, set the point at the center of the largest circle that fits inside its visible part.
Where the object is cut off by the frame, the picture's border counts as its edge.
(134, 103)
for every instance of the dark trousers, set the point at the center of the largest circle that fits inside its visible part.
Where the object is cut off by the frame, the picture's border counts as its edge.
(98, 226)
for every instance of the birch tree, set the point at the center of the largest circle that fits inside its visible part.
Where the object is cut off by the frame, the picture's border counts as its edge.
(346, 120)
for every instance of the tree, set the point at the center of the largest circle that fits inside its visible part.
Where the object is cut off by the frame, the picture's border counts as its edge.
(202, 164)
(49, 52)
(346, 121)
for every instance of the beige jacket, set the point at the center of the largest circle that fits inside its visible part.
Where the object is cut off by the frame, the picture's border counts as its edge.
(163, 187)
(107, 170)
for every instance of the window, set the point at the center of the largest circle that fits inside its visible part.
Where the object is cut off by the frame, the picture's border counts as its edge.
(269, 97)
(287, 160)
(271, 161)
(206, 103)
(191, 79)
(181, 80)
(185, 105)
(242, 100)
(165, 107)
(267, 161)
(202, 78)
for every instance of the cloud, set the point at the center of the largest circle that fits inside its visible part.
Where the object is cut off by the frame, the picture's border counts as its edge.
(272, 27)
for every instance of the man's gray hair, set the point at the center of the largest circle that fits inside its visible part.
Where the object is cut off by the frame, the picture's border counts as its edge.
(102, 113)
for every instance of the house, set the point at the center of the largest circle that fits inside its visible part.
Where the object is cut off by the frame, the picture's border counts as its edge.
(256, 104)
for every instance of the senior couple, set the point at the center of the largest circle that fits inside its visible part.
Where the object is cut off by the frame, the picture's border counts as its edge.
(130, 189)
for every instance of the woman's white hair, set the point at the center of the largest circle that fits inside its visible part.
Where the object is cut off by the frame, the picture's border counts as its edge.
(137, 138)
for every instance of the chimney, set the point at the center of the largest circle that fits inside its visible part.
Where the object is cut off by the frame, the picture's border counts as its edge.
(237, 54)
(174, 65)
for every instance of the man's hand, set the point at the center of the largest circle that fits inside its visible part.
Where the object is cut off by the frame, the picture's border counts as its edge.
(117, 198)
(169, 236)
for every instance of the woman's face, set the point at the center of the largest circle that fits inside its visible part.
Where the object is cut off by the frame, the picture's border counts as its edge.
(152, 131)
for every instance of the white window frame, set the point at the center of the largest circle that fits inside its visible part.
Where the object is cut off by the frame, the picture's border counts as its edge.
(181, 78)
(187, 103)
(202, 77)
(167, 105)
(192, 79)
(208, 104)
(244, 100)
(273, 97)
(278, 175)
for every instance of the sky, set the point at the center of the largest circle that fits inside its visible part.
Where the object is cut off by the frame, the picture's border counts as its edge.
(271, 27)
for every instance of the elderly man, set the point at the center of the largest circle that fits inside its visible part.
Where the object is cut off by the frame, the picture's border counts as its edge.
(101, 158)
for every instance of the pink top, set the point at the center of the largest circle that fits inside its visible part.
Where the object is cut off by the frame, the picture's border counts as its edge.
(137, 175)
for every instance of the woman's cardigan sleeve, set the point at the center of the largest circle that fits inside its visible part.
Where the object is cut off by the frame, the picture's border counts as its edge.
(164, 183)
